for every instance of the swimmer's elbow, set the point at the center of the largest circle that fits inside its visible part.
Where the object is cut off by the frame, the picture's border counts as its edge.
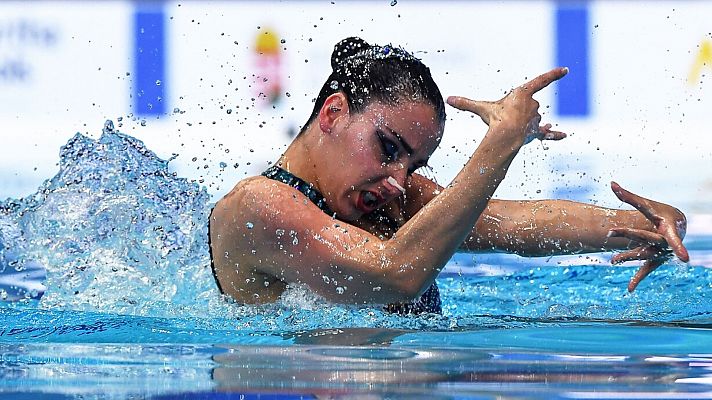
(402, 288)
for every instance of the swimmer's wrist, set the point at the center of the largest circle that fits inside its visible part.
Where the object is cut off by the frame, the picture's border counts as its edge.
(506, 135)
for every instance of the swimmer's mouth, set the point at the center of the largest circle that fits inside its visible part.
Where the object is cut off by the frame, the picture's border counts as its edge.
(369, 201)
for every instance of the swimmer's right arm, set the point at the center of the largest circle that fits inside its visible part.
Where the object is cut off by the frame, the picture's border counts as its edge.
(271, 228)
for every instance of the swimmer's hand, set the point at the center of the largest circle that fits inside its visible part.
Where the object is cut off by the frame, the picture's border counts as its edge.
(544, 132)
(517, 110)
(656, 246)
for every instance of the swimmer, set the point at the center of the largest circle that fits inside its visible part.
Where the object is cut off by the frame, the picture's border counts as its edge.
(345, 212)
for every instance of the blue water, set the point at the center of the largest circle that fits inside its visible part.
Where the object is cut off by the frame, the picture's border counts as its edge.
(108, 293)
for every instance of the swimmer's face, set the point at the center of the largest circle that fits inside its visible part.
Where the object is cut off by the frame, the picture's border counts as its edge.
(377, 151)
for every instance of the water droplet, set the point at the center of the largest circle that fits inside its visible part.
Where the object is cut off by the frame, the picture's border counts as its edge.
(334, 84)
(340, 290)
(223, 164)
(108, 126)
(158, 82)
(394, 2)
(250, 225)
(143, 122)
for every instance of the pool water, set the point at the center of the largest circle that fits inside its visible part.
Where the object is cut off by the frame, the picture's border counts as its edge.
(81, 355)
(108, 294)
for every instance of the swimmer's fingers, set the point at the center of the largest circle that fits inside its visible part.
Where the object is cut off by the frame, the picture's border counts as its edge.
(648, 267)
(670, 227)
(543, 80)
(640, 253)
(668, 221)
(640, 236)
(640, 203)
(672, 237)
(482, 108)
(545, 133)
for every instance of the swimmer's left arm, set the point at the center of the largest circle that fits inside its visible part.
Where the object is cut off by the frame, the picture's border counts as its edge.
(554, 227)
(651, 233)
(537, 228)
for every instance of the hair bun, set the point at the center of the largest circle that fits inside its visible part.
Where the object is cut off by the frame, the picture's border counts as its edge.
(347, 48)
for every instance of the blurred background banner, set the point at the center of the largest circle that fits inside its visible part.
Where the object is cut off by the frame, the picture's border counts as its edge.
(224, 86)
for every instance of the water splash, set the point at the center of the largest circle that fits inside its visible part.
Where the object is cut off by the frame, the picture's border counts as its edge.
(113, 229)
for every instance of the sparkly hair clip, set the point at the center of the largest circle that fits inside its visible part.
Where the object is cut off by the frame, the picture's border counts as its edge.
(389, 51)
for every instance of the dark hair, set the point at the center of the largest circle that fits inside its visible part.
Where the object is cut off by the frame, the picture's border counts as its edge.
(387, 74)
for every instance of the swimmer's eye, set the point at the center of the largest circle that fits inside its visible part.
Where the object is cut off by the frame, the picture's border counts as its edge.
(389, 147)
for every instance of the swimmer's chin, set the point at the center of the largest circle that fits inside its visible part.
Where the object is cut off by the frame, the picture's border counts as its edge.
(353, 212)
(350, 217)
(346, 210)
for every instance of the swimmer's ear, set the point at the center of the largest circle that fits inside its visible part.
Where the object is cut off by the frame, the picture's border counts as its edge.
(335, 106)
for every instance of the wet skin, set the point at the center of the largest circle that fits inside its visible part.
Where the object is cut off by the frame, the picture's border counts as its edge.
(266, 235)
(350, 160)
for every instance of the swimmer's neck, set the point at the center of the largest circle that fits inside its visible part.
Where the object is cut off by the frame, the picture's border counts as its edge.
(304, 157)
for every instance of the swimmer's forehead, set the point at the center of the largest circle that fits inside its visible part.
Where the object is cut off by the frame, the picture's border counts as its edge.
(398, 119)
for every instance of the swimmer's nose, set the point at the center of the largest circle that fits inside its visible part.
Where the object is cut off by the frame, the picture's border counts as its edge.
(395, 185)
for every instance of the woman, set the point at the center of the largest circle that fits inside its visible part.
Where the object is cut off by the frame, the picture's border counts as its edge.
(344, 212)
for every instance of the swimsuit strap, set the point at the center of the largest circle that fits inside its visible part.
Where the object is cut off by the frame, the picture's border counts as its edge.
(282, 175)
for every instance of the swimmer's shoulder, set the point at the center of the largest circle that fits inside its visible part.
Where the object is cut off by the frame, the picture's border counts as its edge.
(240, 206)
(245, 187)
(270, 203)
(259, 189)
